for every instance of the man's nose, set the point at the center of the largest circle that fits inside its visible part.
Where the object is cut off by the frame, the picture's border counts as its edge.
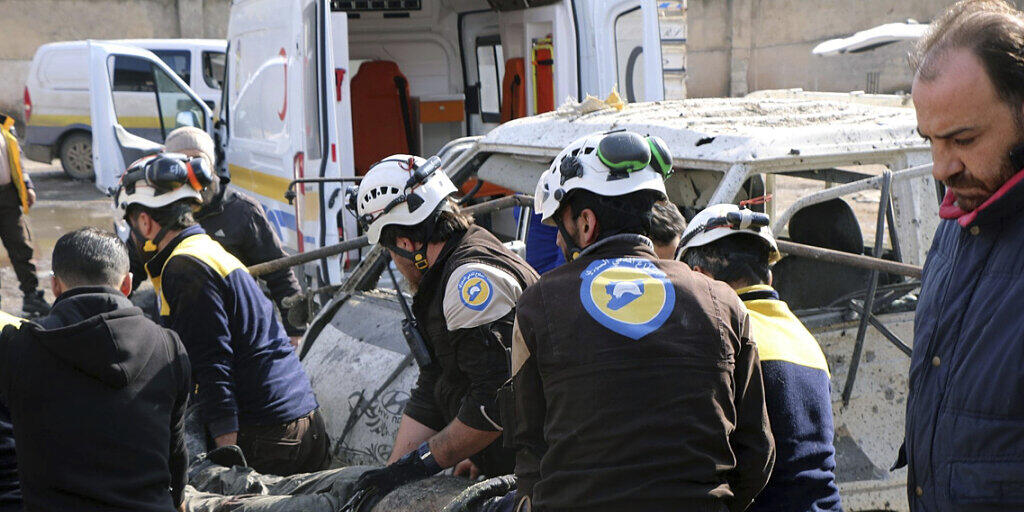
(945, 164)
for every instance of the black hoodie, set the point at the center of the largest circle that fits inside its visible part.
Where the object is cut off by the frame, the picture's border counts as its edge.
(97, 394)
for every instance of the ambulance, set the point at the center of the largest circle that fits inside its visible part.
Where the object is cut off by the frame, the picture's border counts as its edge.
(316, 91)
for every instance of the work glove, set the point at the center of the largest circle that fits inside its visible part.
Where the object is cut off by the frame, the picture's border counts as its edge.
(297, 312)
(416, 465)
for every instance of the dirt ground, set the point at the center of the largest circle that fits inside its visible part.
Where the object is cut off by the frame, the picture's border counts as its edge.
(62, 205)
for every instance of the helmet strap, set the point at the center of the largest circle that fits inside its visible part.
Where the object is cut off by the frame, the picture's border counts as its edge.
(147, 247)
(419, 256)
(572, 251)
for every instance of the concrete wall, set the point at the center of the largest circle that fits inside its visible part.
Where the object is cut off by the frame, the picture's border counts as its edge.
(26, 24)
(738, 46)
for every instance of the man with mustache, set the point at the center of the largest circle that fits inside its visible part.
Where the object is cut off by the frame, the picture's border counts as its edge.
(964, 444)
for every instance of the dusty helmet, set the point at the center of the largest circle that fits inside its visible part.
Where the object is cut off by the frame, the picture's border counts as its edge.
(607, 164)
(401, 190)
(159, 180)
(721, 220)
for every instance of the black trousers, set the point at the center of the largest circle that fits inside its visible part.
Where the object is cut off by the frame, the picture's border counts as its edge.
(17, 238)
(299, 446)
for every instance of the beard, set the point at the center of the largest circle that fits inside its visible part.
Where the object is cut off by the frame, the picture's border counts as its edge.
(965, 181)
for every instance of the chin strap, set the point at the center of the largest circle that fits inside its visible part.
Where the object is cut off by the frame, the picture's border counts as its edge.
(149, 248)
(572, 251)
(419, 256)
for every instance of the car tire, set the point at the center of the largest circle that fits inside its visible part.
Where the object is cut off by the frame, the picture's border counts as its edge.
(76, 156)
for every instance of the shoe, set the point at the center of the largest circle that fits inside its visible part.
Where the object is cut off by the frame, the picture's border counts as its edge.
(35, 305)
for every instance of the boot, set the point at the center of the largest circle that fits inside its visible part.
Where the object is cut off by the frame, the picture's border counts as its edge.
(35, 305)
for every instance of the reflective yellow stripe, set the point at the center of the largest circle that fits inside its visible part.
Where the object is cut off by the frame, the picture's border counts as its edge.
(779, 334)
(273, 187)
(54, 120)
(204, 249)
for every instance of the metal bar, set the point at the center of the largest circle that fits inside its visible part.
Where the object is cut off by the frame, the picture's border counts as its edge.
(869, 299)
(877, 324)
(290, 193)
(853, 260)
(842, 190)
(356, 243)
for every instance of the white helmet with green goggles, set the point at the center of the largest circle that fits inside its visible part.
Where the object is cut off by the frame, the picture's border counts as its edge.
(721, 220)
(402, 190)
(606, 164)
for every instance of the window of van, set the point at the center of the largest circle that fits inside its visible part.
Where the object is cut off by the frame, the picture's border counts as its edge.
(629, 51)
(180, 61)
(213, 69)
(148, 103)
(490, 62)
(311, 83)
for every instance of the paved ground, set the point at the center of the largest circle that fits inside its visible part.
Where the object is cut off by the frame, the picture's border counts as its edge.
(63, 205)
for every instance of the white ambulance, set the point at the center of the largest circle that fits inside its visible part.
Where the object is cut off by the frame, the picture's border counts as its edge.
(318, 90)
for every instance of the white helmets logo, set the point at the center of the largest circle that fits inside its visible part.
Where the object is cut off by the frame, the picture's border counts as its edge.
(607, 164)
(401, 190)
(721, 220)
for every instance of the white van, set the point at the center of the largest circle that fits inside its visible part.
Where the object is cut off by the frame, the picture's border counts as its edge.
(317, 91)
(57, 95)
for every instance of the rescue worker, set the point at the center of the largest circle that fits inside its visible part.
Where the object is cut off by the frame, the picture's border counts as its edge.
(466, 285)
(239, 224)
(796, 377)
(17, 195)
(964, 444)
(96, 391)
(667, 226)
(250, 388)
(636, 384)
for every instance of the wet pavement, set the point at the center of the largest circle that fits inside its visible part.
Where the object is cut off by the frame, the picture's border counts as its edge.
(62, 205)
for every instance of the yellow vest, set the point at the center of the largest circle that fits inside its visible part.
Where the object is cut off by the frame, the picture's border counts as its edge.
(779, 334)
(204, 249)
(14, 161)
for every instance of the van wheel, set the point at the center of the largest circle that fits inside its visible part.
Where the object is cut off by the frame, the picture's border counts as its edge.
(76, 156)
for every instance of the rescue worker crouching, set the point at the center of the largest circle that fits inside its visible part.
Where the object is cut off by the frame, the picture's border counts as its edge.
(637, 386)
(466, 286)
(250, 387)
(796, 376)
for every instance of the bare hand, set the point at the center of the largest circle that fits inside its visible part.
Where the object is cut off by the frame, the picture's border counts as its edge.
(226, 439)
(30, 197)
(467, 469)
(296, 341)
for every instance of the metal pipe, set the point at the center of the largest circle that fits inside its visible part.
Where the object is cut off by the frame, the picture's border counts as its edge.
(832, 193)
(869, 299)
(356, 243)
(853, 260)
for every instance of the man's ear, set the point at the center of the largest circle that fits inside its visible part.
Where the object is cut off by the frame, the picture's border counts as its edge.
(588, 228)
(126, 284)
(57, 287)
(405, 243)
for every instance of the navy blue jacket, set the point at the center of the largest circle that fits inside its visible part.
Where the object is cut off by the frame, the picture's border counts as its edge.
(244, 367)
(965, 409)
(797, 391)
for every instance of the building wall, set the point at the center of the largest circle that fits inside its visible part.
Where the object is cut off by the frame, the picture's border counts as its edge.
(738, 46)
(26, 24)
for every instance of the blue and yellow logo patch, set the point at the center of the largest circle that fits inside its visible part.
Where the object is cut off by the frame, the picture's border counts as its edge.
(630, 296)
(475, 290)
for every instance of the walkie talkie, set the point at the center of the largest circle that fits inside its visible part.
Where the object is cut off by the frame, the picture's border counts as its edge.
(410, 327)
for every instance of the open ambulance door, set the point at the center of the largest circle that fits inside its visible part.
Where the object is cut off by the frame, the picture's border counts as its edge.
(483, 69)
(154, 98)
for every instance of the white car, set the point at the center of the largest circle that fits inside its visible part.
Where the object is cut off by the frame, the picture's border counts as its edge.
(57, 95)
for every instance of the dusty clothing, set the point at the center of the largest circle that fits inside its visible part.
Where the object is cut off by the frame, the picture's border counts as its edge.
(637, 387)
(245, 369)
(299, 446)
(466, 305)
(240, 225)
(97, 394)
(17, 239)
(798, 393)
(965, 408)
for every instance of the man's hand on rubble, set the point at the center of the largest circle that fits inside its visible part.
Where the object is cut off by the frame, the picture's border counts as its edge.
(467, 469)
(415, 465)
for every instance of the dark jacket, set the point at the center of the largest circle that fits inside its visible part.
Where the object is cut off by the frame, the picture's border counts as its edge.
(245, 369)
(470, 359)
(637, 387)
(798, 391)
(965, 408)
(238, 223)
(97, 394)
(10, 490)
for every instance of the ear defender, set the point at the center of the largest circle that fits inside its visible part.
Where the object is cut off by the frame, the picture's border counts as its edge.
(624, 152)
(661, 158)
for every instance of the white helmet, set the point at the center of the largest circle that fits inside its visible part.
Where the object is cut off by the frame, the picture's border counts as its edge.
(159, 180)
(607, 164)
(721, 220)
(401, 190)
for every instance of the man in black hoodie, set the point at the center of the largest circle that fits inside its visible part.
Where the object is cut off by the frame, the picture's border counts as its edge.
(96, 391)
